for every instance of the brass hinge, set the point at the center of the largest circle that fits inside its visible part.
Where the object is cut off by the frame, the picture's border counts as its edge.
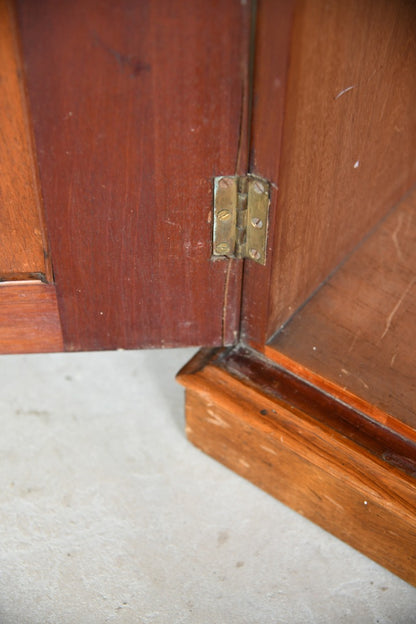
(241, 210)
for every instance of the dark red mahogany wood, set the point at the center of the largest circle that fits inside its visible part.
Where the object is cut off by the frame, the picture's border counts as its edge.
(136, 106)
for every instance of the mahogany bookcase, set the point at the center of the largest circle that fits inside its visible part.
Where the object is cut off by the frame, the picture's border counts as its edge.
(116, 117)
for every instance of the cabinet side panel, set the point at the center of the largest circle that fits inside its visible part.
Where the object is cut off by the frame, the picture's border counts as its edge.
(136, 106)
(348, 143)
(23, 248)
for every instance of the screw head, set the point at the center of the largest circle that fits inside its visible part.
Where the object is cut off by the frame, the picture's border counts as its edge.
(224, 215)
(225, 182)
(253, 253)
(222, 248)
(257, 223)
(258, 187)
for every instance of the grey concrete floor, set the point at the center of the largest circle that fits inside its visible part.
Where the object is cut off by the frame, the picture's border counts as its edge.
(108, 514)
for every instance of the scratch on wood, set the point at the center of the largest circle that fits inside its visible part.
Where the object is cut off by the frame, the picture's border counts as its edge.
(395, 239)
(360, 379)
(268, 450)
(341, 93)
(396, 307)
(214, 419)
(243, 463)
(331, 500)
(354, 340)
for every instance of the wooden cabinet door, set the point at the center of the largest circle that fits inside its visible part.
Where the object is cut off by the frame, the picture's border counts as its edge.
(135, 107)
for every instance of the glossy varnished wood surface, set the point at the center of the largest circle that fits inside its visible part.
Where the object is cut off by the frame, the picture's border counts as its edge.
(347, 153)
(357, 336)
(29, 318)
(256, 419)
(136, 106)
(22, 242)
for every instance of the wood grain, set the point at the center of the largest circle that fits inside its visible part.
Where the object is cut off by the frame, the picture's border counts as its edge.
(348, 143)
(23, 246)
(335, 481)
(136, 106)
(356, 337)
(29, 319)
(271, 63)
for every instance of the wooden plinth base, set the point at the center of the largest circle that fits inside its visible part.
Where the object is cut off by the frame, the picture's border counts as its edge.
(320, 457)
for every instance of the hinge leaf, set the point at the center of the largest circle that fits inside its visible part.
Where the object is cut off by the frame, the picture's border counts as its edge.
(241, 207)
(225, 215)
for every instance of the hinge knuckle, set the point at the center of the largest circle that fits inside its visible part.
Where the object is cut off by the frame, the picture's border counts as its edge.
(240, 223)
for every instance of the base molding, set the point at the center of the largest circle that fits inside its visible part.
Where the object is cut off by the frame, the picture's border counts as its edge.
(29, 318)
(347, 474)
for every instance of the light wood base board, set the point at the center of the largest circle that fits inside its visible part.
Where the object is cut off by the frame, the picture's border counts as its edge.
(337, 483)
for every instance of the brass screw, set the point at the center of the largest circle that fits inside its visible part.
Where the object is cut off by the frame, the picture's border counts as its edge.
(258, 187)
(257, 223)
(222, 248)
(225, 182)
(224, 215)
(256, 255)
